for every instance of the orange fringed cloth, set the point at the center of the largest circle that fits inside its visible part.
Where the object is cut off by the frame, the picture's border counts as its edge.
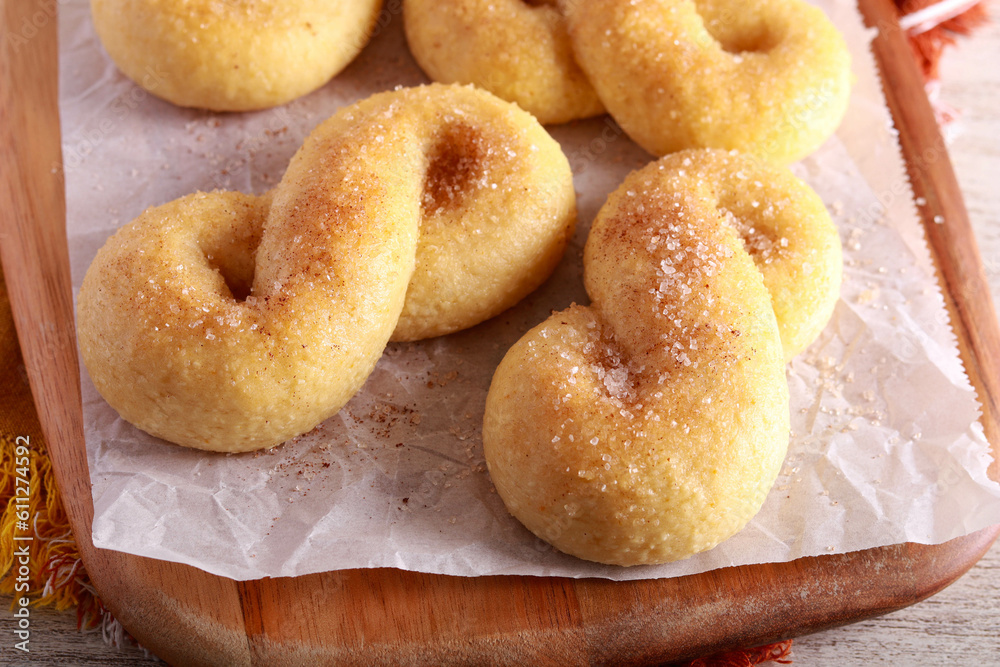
(934, 25)
(56, 577)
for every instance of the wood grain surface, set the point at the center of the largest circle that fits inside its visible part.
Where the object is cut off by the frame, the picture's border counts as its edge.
(390, 616)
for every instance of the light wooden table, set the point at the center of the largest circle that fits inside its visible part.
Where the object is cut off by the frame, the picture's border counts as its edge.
(960, 625)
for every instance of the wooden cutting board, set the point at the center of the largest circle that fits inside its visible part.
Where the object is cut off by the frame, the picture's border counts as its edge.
(187, 616)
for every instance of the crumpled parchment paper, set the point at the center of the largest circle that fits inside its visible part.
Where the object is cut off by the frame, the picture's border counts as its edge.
(885, 445)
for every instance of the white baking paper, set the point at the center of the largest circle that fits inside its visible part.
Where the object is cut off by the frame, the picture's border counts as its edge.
(885, 445)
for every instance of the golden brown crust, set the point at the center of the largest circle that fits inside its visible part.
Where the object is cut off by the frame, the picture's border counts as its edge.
(770, 78)
(180, 344)
(517, 50)
(498, 211)
(785, 228)
(233, 55)
(650, 425)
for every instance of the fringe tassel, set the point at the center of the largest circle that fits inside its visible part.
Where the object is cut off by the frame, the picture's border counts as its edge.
(934, 25)
(780, 653)
(57, 578)
(55, 574)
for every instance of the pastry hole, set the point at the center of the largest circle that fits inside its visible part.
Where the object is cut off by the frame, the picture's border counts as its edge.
(540, 3)
(739, 32)
(761, 243)
(456, 165)
(236, 272)
(761, 41)
(229, 246)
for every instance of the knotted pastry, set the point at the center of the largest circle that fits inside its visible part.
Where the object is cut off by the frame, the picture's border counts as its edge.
(651, 425)
(787, 231)
(233, 55)
(517, 50)
(232, 322)
(769, 77)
